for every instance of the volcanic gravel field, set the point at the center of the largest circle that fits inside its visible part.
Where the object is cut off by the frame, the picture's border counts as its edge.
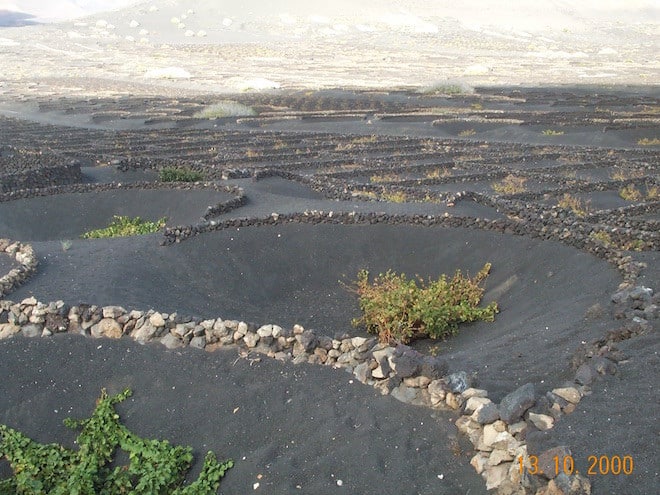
(296, 200)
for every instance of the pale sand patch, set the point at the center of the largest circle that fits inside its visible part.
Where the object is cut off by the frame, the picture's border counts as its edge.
(168, 73)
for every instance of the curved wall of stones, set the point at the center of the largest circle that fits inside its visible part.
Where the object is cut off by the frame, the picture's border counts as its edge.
(27, 265)
(497, 431)
(42, 177)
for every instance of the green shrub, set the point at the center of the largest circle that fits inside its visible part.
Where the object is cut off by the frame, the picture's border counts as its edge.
(176, 174)
(155, 467)
(552, 132)
(122, 226)
(398, 309)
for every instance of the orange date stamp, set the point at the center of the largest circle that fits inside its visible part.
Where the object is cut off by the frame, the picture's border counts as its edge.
(598, 465)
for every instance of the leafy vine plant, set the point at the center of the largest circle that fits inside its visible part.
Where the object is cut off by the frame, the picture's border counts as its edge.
(155, 468)
(399, 309)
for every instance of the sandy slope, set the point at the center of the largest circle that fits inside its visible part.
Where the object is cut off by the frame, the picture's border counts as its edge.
(257, 45)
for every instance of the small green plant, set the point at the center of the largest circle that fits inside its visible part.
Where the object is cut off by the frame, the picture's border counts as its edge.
(630, 193)
(447, 88)
(155, 467)
(552, 132)
(649, 142)
(66, 245)
(398, 309)
(179, 174)
(225, 108)
(574, 204)
(467, 133)
(510, 185)
(123, 226)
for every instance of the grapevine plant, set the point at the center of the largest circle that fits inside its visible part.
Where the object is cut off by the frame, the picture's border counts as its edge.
(155, 468)
(398, 309)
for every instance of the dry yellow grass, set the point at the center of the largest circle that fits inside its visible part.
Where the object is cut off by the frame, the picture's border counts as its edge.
(577, 206)
(510, 185)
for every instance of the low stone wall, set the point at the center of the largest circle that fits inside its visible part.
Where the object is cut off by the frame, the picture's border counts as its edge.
(549, 229)
(111, 186)
(27, 265)
(497, 431)
(42, 177)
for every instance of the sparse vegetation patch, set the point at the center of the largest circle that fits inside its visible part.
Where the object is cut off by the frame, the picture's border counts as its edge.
(630, 193)
(179, 174)
(124, 226)
(447, 88)
(155, 466)
(384, 178)
(576, 205)
(399, 309)
(510, 185)
(649, 142)
(552, 132)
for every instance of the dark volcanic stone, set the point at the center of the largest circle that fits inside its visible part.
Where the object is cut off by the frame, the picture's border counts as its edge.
(514, 405)
(308, 340)
(406, 361)
(488, 414)
(547, 462)
(585, 374)
(433, 367)
(459, 382)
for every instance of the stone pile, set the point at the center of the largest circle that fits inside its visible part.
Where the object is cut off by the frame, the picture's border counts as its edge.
(42, 177)
(27, 265)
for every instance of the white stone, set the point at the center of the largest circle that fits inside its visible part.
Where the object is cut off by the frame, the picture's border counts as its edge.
(496, 475)
(518, 427)
(498, 457)
(265, 331)
(570, 394)
(475, 403)
(474, 392)
(8, 330)
(113, 311)
(157, 320)
(134, 23)
(479, 462)
(107, 327)
(541, 421)
(465, 424)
